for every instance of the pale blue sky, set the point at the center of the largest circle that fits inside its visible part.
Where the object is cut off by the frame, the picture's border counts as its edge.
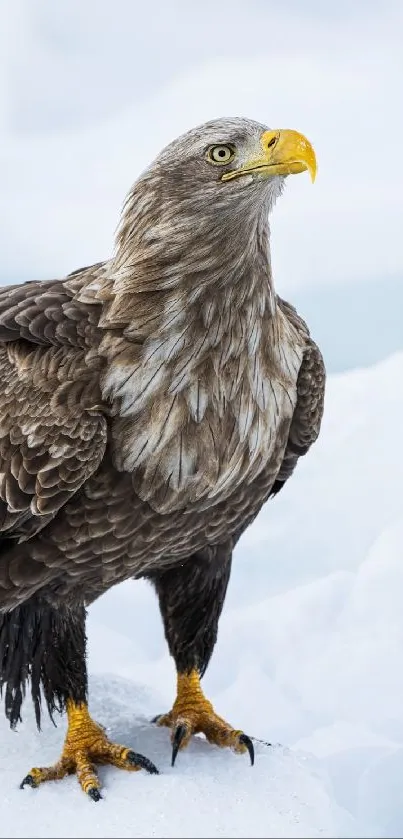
(90, 91)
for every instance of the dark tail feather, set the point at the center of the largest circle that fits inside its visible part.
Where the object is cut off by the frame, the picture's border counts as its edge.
(46, 646)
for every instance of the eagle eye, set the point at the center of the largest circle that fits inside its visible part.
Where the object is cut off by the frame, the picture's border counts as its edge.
(221, 154)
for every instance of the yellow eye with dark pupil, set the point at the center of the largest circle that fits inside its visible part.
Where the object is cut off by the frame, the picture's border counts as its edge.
(221, 154)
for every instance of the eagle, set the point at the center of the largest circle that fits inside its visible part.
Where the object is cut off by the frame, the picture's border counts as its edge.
(149, 406)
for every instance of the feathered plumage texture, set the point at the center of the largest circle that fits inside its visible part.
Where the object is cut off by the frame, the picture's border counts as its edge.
(150, 404)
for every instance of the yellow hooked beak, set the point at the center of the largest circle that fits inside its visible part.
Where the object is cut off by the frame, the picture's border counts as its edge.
(284, 152)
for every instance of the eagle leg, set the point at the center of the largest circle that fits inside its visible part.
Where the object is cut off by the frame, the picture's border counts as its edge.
(191, 597)
(86, 744)
(48, 643)
(192, 713)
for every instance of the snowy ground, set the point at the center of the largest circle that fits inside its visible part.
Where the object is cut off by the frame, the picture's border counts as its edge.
(310, 656)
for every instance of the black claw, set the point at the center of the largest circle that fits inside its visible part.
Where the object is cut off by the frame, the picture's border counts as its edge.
(246, 741)
(139, 760)
(180, 733)
(29, 781)
(94, 794)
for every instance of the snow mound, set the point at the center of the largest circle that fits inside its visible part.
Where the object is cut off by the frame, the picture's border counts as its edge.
(209, 792)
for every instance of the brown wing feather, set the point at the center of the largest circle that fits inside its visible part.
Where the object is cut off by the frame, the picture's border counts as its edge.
(307, 418)
(50, 313)
(52, 425)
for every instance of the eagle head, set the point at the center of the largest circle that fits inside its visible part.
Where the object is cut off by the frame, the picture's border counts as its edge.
(226, 160)
(206, 195)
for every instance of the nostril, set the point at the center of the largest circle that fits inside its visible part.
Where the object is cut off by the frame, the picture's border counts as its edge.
(272, 142)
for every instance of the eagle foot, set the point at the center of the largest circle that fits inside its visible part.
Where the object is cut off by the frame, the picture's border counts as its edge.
(86, 744)
(192, 713)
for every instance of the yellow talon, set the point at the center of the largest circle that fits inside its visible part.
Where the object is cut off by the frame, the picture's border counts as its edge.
(192, 713)
(85, 745)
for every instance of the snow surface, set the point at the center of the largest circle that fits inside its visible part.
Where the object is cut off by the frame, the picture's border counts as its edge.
(309, 656)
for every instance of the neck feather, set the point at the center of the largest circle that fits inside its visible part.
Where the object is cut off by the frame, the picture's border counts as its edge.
(194, 342)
